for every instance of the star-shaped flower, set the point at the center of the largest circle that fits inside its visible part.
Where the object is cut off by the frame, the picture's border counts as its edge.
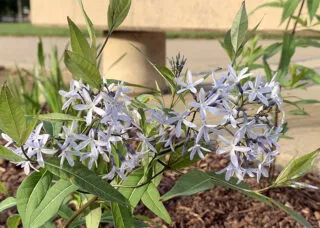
(189, 85)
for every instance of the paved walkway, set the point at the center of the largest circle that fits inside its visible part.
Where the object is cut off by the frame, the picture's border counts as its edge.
(202, 56)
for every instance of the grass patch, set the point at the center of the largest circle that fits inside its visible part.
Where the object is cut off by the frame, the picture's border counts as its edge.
(27, 29)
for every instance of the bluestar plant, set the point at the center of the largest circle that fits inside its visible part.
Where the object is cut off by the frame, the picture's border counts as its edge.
(110, 149)
(243, 112)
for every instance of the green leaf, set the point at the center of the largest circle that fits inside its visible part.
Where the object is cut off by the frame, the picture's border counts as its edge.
(94, 216)
(38, 193)
(82, 69)
(298, 112)
(167, 75)
(272, 50)
(117, 12)
(290, 212)
(3, 189)
(307, 43)
(9, 155)
(242, 187)
(86, 180)
(288, 50)
(227, 45)
(31, 124)
(289, 8)
(151, 199)
(134, 194)
(12, 120)
(41, 58)
(165, 72)
(267, 70)
(307, 101)
(188, 184)
(276, 4)
(239, 28)
(7, 203)
(52, 128)
(51, 203)
(115, 81)
(90, 29)
(48, 225)
(13, 221)
(122, 216)
(65, 211)
(79, 43)
(59, 117)
(27, 193)
(313, 6)
(297, 168)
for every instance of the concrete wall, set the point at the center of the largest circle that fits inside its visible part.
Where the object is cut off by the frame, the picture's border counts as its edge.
(149, 15)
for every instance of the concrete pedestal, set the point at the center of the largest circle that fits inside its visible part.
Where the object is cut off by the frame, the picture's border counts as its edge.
(123, 62)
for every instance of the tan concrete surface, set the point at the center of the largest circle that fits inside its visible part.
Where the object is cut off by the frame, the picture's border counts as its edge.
(158, 14)
(122, 61)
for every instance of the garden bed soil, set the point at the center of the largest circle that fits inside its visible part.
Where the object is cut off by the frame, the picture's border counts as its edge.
(218, 207)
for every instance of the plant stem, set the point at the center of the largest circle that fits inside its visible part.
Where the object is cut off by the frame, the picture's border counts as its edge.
(25, 154)
(78, 212)
(142, 184)
(104, 44)
(296, 22)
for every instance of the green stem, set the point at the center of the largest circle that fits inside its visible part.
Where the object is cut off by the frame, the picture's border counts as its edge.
(25, 154)
(296, 22)
(142, 184)
(104, 43)
(78, 212)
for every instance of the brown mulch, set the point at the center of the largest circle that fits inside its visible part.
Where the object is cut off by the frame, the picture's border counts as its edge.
(218, 207)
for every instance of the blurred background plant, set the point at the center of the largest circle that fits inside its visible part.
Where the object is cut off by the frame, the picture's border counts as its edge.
(38, 89)
(254, 55)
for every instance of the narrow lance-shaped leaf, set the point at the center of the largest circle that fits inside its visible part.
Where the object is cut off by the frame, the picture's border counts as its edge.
(41, 58)
(79, 43)
(12, 120)
(287, 52)
(275, 4)
(38, 193)
(117, 12)
(296, 168)
(239, 28)
(313, 6)
(289, 8)
(82, 69)
(26, 196)
(59, 117)
(93, 217)
(51, 203)
(151, 199)
(90, 29)
(86, 180)
(190, 183)
(227, 45)
(134, 194)
(7, 203)
(9, 155)
(122, 216)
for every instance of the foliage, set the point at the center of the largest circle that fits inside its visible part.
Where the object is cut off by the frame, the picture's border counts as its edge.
(103, 152)
(289, 74)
